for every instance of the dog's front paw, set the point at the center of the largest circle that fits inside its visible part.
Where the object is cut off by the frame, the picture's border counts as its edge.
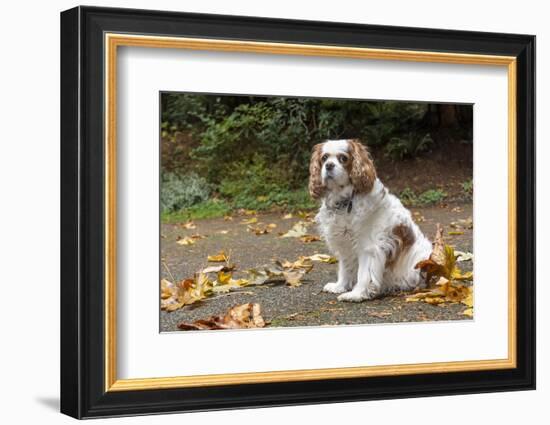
(354, 296)
(334, 288)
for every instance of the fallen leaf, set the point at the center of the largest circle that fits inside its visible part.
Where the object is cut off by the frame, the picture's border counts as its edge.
(419, 218)
(458, 275)
(310, 238)
(225, 282)
(305, 215)
(287, 216)
(260, 230)
(166, 289)
(298, 230)
(186, 241)
(445, 291)
(257, 276)
(186, 292)
(322, 258)
(302, 263)
(227, 218)
(441, 261)
(218, 258)
(169, 296)
(455, 233)
(224, 232)
(463, 223)
(469, 300)
(223, 277)
(188, 225)
(463, 256)
(291, 273)
(250, 220)
(294, 277)
(220, 268)
(244, 316)
(468, 312)
(197, 236)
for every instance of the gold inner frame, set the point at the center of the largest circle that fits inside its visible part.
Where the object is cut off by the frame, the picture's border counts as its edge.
(113, 41)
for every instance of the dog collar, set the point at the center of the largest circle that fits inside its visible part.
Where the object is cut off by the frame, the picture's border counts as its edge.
(346, 204)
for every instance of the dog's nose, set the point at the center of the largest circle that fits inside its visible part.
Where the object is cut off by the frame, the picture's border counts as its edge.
(329, 166)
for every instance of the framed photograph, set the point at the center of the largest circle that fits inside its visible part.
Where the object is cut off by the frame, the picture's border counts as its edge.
(261, 212)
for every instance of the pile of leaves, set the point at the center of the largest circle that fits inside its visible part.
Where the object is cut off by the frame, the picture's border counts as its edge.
(444, 277)
(244, 316)
(219, 279)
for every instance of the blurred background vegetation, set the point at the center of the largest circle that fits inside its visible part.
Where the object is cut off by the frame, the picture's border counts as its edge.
(223, 153)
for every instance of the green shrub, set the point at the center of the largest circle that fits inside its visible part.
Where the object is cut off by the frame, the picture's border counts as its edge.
(410, 198)
(432, 196)
(178, 192)
(260, 185)
(468, 187)
(252, 184)
(410, 144)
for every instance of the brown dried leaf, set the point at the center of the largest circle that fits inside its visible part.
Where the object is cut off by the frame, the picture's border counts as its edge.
(219, 258)
(244, 316)
(225, 282)
(259, 230)
(294, 277)
(185, 241)
(301, 263)
(297, 231)
(310, 238)
(322, 258)
(185, 292)
(445, 291)
(220, 268)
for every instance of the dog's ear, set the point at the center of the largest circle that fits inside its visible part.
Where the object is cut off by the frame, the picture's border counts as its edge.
(316, 188)
(362, 173)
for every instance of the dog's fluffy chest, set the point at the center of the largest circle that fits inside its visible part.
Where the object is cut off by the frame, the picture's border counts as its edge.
(339, 228)
(344, 228)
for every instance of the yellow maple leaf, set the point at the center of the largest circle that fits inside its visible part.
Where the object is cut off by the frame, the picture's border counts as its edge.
(322, 258)
(218, 258)
(186, 241)
(468, 312)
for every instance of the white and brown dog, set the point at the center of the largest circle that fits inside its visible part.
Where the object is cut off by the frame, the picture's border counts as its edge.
(372, 234)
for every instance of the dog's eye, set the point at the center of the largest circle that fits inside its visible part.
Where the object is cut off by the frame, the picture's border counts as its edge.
(324, 157)
(343, 159)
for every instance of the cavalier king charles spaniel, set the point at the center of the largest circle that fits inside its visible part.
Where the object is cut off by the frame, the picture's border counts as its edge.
(372, 234)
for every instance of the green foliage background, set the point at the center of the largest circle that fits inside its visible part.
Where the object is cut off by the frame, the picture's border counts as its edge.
(227, 152)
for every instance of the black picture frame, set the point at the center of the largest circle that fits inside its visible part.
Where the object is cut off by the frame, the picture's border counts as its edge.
(83, 392)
